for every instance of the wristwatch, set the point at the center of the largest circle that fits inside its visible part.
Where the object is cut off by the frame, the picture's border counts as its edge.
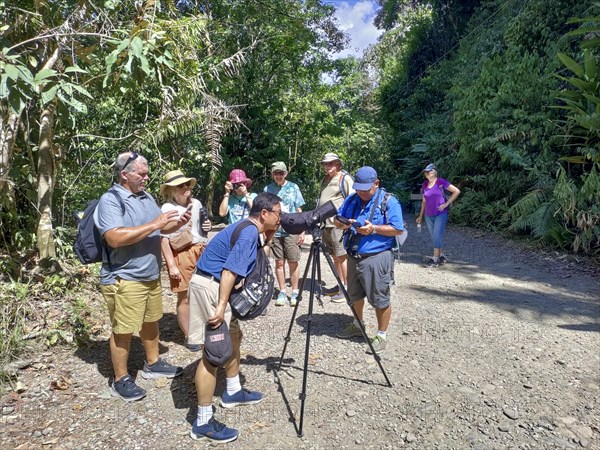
(374, 230)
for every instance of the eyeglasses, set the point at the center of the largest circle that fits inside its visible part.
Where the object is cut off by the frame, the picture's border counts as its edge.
(278, 212)
(133, 156)
(278, 173)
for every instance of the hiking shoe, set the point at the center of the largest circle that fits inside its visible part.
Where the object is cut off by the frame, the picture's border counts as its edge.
(194, 347)
(281, 299)
(294, 299)
(443, 259)
(126, 389)
(331, 291)
(160, 369)
(240, 398)
(338, 298)
(378, 343)
(213, 431)
(351, 330)
(432, 264)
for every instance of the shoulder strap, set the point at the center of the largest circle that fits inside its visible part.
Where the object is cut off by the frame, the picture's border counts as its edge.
(384, 203)
(238, 230)
(375, 205)
(105, 247)
(342, 187)
(119, 199)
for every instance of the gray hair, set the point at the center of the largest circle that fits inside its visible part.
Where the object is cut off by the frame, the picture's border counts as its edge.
(126, 162)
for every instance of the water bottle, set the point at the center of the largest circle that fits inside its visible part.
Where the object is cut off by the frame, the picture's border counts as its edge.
(418, 228)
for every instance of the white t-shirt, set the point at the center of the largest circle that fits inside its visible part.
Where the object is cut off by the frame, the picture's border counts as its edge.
(197, 234)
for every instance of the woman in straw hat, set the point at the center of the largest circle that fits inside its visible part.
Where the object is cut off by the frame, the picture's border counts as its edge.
(177, 192)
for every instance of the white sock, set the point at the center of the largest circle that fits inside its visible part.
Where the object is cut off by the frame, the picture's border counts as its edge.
(382, 334)
(233, 385)
(205, 413)
(356, 323)
(295, 292)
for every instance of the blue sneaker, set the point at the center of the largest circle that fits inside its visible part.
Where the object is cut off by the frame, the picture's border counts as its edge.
(160, 369)
(294, 299)
(281, 299)
(243, 397)
(126, 389)
(213, 431)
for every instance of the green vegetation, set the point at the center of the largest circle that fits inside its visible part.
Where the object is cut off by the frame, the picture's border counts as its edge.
(503, 95)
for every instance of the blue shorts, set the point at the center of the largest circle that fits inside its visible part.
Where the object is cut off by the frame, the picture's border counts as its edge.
(371, 277)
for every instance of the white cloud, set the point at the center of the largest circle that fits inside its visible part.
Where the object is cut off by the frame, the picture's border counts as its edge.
(355, 18)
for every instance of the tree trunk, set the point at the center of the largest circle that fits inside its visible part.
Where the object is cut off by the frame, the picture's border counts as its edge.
(47, 172)
(9, 124)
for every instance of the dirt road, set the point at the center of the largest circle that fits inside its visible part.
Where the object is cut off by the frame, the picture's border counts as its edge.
(499, 348)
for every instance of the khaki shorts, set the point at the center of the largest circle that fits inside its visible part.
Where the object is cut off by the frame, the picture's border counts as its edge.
(331, 239)
(186, 262)
(132, 303)
(204, 297)
(286, 247)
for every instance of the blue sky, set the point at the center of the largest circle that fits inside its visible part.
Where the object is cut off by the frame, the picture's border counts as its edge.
(355, 18)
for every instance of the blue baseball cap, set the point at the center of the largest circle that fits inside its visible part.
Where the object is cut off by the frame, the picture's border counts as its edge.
(429, 168)
(365, 177)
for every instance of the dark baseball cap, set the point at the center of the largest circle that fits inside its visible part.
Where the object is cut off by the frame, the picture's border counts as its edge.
(217, 344)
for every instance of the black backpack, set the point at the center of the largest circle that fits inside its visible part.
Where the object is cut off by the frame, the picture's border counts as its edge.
(252, 297)
(89, 244)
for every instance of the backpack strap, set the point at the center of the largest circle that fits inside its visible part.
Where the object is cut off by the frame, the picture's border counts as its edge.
(238, 230)
(384, 203)
(119, 199)
(342, 187)
(106, 246)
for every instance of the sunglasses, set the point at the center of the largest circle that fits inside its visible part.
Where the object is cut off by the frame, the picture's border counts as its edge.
(133, 156)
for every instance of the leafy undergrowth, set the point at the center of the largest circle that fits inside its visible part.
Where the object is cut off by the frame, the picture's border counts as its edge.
(46, 310)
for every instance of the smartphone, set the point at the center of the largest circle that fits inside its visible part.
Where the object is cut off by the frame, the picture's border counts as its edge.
(189, 208)
(358, 223)
(342, 219)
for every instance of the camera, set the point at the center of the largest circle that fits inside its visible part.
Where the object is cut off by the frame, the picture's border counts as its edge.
(237, 185)
(296, 223)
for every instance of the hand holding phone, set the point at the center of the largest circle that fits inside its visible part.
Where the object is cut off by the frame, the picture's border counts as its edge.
(189, 208)
(358, 223)
(342, 220)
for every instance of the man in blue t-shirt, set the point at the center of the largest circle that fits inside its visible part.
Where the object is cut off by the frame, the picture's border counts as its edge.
(286, 247)
(220, 268)
(368, 239)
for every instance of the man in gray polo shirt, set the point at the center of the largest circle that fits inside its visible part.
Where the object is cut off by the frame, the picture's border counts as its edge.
(130, 222)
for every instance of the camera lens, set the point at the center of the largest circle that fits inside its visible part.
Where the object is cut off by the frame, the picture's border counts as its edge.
(236, 185)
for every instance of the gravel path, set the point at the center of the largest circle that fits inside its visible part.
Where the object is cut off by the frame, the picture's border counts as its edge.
(499, 348)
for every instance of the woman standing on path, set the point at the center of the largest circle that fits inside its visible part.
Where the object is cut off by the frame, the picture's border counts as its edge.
(181, 262)
(435, 208)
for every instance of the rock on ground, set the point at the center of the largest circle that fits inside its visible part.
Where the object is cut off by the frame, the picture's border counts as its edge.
(499, 348)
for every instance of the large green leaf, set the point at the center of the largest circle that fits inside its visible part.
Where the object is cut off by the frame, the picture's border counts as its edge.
(44, 74)
(571, 64)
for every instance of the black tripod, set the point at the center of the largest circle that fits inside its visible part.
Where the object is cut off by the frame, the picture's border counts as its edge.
(314, 264)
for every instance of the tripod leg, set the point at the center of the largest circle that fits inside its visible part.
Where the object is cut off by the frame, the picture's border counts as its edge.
(360, 322)
(311, 258)
(309, 318)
